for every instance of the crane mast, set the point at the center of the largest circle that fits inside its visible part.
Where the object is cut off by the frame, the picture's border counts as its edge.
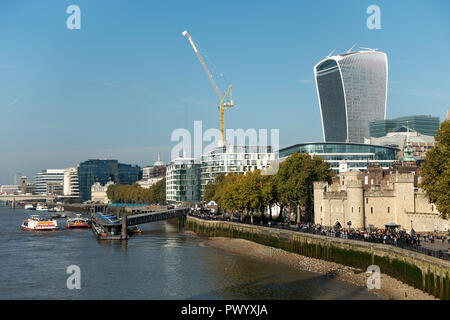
(223, 104)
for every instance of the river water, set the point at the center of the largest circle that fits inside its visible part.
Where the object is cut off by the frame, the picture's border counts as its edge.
(160, 263)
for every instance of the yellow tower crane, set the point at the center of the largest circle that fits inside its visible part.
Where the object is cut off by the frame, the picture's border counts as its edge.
(224, 104)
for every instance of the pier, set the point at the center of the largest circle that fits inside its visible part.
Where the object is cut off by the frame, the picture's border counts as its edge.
(115, 227)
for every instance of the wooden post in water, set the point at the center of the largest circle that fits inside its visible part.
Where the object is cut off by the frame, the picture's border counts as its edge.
(124, 227)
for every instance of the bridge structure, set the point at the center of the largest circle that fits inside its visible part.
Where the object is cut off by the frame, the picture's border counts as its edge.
(110, 227)
(11, 200)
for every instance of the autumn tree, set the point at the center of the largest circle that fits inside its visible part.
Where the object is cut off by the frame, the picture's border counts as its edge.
(435, 171)
(294, 182)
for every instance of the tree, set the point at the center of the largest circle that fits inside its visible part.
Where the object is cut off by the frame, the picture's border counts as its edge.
(294, 181)
(435, 171)
(136, 194)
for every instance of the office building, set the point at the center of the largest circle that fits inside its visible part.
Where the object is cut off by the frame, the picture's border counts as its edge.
(352, 92)
(71, 185)
(49, 181)
(345, 157)
(183, 180)
(103, 171)
(425, 125)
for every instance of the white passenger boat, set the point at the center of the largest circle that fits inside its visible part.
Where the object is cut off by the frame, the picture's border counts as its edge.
(37, 223)
(59, 209)
(28, 207)
(41, 207)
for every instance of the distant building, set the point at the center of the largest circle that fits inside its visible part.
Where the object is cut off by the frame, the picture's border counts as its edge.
(375, 198)
(352, 91)
(183, 180)
(102, 171)
(9, 189)
(344, 157)
(153, 174)
(425, 125)
(157, 170)
(98, 192)
(23, 185)
(49, 181)
(71, 185)
(419, 143)
(234, 158)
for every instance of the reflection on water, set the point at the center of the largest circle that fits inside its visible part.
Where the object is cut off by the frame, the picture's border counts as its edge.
(160, 263)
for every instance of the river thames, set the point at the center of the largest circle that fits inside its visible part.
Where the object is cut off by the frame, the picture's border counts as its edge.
(160, 263)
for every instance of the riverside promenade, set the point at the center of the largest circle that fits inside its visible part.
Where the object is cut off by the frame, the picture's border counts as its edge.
(427, 273)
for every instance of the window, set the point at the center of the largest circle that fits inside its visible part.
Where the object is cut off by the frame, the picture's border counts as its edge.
(352, 209)
(389, 209)
(367, 200)
(371, 210)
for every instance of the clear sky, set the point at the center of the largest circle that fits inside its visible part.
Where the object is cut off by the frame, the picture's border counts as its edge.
(118, 87)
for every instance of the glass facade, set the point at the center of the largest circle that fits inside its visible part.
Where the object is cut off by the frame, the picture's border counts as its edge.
(183, 180)
(49, 181)
(355, 156)
(102, 171)
(424, 124)
(352, 90)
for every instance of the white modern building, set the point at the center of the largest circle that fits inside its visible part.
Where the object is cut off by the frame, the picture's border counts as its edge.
(352, 91)
(234, 158)
(183, 180)
(49, 181)
(71, 185)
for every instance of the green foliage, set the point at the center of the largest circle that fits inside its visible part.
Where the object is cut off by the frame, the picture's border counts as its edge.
(136, 194)
(253, 192)
(435, 171)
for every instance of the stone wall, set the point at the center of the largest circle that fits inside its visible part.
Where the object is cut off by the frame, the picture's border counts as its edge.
(423, 272)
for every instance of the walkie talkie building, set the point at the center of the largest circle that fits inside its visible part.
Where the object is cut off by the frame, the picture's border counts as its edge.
(352, 91)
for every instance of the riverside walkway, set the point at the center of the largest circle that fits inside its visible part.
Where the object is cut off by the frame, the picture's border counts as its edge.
(437, 250)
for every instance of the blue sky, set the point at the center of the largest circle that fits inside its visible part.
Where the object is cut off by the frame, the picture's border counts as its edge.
(118, 87)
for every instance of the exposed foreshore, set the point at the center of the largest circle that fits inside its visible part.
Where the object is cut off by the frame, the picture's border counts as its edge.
(391, 289)
(405, 274)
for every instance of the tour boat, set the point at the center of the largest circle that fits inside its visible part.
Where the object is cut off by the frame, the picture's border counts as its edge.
(37, 223)
(59, 209)
(41, 207)
(78, 222)
(28, 207)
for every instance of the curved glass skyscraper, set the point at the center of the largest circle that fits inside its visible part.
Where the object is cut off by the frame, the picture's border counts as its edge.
(352, 91)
